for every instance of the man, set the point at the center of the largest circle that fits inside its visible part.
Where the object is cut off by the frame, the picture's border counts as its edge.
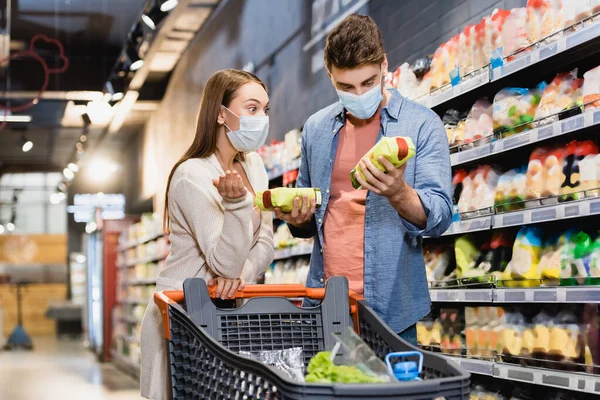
(372, 236)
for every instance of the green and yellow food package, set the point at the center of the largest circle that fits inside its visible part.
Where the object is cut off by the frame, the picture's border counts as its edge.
(283, 198)
(526, 254)
(397, 150)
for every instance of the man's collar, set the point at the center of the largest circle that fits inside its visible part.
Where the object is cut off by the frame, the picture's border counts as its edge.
(392, 108)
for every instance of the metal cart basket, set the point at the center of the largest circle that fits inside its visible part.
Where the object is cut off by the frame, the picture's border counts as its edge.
(203, 343)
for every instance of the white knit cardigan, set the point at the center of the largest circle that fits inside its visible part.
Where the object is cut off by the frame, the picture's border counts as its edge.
(209, 236)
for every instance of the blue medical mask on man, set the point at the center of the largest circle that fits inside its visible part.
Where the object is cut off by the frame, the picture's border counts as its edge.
(365, 105)
(252, 134)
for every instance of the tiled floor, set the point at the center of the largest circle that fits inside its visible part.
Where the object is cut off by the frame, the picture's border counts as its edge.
(61, 370)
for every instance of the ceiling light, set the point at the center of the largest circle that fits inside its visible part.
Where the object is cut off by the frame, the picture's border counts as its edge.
(27, 145)
(55, 198)
(99, 112)
(10, 227)
(101, 170)
(168, 5)
(68, 174)
(73, 167)
(134, 59)
(15, 118)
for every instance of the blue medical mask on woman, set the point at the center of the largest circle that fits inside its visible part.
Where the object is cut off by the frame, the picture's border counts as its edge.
(252, 134)
(363, 106)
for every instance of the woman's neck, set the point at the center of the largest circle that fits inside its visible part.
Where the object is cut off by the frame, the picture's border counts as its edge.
(225, 153)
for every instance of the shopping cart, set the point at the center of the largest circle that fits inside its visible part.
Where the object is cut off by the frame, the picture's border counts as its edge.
(203, 343)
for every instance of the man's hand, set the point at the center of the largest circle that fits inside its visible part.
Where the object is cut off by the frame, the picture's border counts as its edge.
(401, 196)
(390, 185)
(226, 287)
(299, 216)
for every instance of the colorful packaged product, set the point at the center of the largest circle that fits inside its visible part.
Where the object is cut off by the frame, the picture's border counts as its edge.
(591, 89)
(574, 12)
(514, 108)
(465, 60)
(466, 253)
(526, 254)
(552, 175)
(590, 175)
(571, 183)
(479, 59)
(283, 198)
(558, 96)
(493, 32)
(514, 33)
(479, 123)
(405, 81)
(397, 150)
(542, 19)
(535, 176)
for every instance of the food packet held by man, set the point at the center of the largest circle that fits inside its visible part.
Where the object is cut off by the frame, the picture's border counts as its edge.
(283, 198)
(397, 150)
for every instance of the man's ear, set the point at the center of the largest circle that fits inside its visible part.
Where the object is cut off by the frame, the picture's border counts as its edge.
(384, 64)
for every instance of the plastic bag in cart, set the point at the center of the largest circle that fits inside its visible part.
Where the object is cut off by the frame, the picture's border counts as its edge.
(289, 361)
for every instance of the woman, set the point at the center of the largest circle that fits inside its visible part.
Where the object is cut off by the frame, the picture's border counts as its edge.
(215, 231)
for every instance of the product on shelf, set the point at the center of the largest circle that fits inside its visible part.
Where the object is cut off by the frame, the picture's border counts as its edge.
(451, 323)
(280, 155)
(591, 89)
(405, 80)
(479, 123)
(493, 32)
(544, 19)
(576, 151)
(455, 124)
(562, 93)
(465, 44)
(511, 189)
(288, 271)
(483, 326)
(514, 33)
(438, 262)
(573, 12)
(283, 198)
(283, 238)
(552, 175)
(479, 189)
(514, 108)
(467, 253)
(457, 187)
(397, 150)
(526, 254)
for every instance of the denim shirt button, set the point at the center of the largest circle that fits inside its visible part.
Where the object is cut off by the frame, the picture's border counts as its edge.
(327, 191)
(322, 280)
(320, 221)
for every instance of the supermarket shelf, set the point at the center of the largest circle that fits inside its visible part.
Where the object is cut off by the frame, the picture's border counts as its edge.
(144, 240)
(582, 43)
(131, 300)
(140, 282)
(469, 225)
(535, 135)
(282, 254)
(278, 172)
(571, 209)
(577, 295)
(125, 364)
(462, 295)
(579, 382)
(145, 260)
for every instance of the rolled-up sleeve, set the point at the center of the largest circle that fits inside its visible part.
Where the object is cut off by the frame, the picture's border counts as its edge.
(433, 179)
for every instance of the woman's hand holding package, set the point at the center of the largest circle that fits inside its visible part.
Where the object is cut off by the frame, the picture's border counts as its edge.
(300, 215)
(388, 184)
(230, 186)
(226, 288)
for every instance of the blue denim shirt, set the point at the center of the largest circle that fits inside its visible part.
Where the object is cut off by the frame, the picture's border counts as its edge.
(395, 283)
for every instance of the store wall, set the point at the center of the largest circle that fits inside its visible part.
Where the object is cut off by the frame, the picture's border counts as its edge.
(271, 34)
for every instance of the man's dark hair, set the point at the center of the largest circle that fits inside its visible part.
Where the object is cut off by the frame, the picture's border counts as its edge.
(355, 42)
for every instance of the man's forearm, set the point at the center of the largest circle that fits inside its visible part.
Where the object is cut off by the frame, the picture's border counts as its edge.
(408, 204)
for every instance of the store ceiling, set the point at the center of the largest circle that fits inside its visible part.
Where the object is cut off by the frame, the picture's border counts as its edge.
(92, 33)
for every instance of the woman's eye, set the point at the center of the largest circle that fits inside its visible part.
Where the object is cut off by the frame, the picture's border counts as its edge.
(267, 111)
(252, 109)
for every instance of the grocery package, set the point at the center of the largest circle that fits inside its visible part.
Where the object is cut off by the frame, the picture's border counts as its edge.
(535, 176)
(457, 187)
(571, 183)
(451, 323)
(479, 123)
(467, 253)
(455, 124)
(500, 254)
(465, 60)
(526, 254)
(397, 150)
(483, 328)
(289, 361)
(493, 32)
(590, 175)
(421, 67)
(429, 332)
(573, 12)
(576, 256)
(565, 338)
(552, 175)
(439, 261)
(477, 48)
(283, 198)
(559, 95)
(514, 108)
(543, 19)
(550, 257)
(514, 33)
(591, 89)
(479, 189)
(405, 81)
(511, 190)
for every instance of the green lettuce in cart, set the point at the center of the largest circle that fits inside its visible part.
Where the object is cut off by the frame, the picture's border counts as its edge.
(322, 370)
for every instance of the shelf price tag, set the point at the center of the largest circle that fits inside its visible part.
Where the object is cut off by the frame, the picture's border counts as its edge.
(596, 118)
(455, 76)
(545, 132)
(572, 124)
(548, 51)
